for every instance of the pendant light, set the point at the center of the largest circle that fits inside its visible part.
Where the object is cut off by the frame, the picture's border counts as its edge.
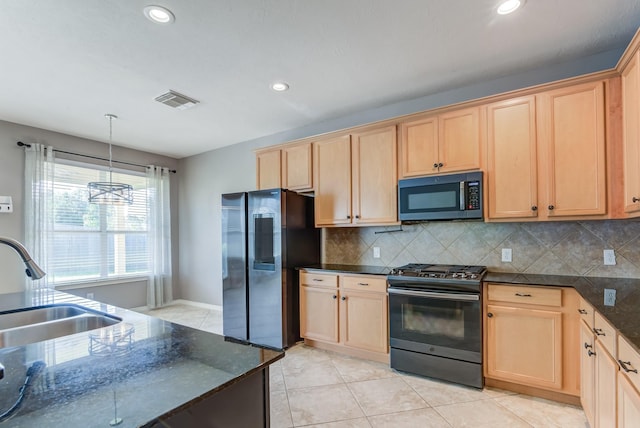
(110, 193)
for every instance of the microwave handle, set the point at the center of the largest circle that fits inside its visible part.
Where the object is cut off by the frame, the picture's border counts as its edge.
(462, 194)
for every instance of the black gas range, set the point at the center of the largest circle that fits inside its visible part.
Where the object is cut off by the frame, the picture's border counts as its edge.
(432, 276)
(435, 321)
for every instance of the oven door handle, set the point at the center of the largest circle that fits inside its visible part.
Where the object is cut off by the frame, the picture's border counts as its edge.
(435, 295)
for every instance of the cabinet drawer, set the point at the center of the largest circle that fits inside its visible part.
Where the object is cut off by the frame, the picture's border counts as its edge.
(629, 361)
(605, 333)
(364, 283)
(319, 279)
(586, 312)
(545, 296)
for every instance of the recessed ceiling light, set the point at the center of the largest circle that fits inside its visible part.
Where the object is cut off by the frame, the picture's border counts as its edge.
(159, 14)
(509, 6)
(280, 86)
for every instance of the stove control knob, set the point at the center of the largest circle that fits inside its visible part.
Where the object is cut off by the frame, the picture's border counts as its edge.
(462, 275)
(455, 275)
(473, 276)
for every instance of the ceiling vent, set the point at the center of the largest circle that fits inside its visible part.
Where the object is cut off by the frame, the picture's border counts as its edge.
(176, 100)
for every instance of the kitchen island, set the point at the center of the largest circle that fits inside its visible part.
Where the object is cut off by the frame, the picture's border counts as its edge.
(142, 371)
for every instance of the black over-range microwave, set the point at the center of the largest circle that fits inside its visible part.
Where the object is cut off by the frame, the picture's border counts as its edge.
(441, 197)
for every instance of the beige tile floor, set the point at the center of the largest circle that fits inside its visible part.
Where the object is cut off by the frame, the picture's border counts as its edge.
(315, 388)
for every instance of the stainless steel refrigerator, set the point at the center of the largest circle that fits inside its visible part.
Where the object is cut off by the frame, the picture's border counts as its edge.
(266, 234)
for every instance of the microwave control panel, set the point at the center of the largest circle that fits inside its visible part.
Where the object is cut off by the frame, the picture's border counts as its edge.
(473, 195)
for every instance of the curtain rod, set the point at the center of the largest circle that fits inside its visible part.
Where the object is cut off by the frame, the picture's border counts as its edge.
(21, 144)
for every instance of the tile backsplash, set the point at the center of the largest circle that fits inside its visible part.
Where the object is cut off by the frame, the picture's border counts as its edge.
(561, 248)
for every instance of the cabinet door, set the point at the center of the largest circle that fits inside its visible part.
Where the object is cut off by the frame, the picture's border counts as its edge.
(375, 176)
(268, 170)
(332, 177)
(512, 158)
(419, 147)
(606, 375)
(631, 134)
(571, 140)
(297, 167)
(587, 372)
(363, 320)
(459, 140)
(628, 403)
(525, 346)
(319, 313)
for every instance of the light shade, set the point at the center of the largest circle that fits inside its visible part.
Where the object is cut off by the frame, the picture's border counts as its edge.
(109, 193)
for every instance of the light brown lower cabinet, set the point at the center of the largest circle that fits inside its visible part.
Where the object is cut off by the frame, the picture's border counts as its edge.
(345, 313)
(587, 372)
(606, 372)
(628, 403)
(530, 336)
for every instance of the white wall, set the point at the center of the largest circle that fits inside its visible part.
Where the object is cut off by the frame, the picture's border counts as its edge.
(12, 184)
(207, 176)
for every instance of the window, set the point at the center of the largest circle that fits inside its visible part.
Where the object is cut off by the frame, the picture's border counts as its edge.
(89, 242)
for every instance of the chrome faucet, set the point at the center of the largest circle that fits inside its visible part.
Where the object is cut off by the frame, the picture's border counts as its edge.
(33, 271)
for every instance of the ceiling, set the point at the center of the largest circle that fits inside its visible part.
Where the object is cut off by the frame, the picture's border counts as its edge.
(66, 63)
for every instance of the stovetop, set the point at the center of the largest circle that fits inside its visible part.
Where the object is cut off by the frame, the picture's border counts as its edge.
(441, 272)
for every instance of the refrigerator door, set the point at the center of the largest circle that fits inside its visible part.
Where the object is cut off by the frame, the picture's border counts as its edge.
(235, 301)
(266, 318)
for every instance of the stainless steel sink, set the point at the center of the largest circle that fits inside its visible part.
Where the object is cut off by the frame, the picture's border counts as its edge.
(36, 315)
(24, 326)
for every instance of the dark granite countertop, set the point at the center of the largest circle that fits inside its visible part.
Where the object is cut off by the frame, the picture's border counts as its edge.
(167, 368)
(624, 315)
(360, 269)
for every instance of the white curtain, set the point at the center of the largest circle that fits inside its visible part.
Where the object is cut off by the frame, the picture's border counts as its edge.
(160, 280)
(38, 207)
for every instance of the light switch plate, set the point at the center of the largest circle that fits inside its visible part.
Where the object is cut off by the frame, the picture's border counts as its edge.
(506, 255)
(376, 252)
(6, 205)
(609, 257)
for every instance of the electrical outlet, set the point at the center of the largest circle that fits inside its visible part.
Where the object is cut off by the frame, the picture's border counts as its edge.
(90, 296)
(376, 252)
(506, 255)
(609, 297)
(609, 257)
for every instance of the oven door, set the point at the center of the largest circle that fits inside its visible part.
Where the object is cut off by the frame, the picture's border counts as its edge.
(437, 323)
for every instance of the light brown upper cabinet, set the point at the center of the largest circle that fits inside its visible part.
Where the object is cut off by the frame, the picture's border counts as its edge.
(268, 169)
(546, 155)
(289, 167)
(631, 135)
(444, 143)
(512, 159)
(297, 167)
(571, 151)
(356, 179)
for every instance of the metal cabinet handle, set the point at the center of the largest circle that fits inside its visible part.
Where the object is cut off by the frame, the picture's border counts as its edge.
(335, 297)
(523, 294)
(551, 207)
(343, 298)
(587, 345)
(440, 165)
(534, 208)
(625, 366)
(357, 216)
(363, 283)
(490, 315)
(599, 332)
(318, 279)
(435, 165)
(590, 353)
(583, 311)
(348, 216)
(634, 199)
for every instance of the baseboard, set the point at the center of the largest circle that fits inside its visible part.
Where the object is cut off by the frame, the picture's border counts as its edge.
(197, 304)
